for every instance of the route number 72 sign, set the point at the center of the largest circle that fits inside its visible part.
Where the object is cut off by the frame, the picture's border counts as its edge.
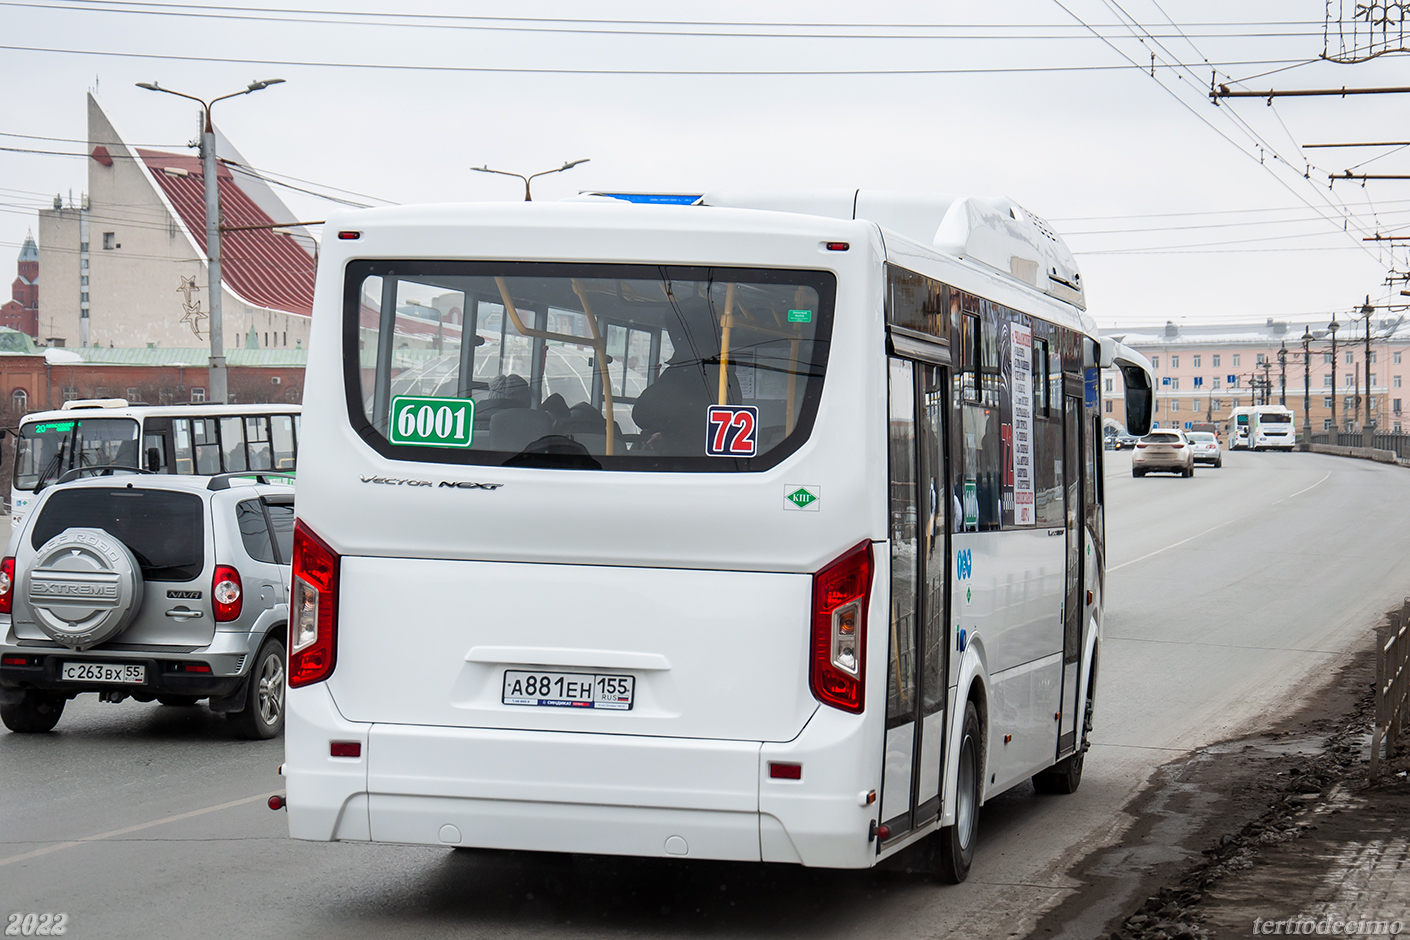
(732, 431)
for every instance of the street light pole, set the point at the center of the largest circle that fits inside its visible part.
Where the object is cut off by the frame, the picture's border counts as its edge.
(1307, 384)
(528, 197)
(1333, 327)
(218, 390)
(1283, 374)
(1368, 429)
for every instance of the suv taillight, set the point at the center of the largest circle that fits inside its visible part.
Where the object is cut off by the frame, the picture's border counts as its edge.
(313, 609)
(841, 592)
(226, 594)
(7, 585)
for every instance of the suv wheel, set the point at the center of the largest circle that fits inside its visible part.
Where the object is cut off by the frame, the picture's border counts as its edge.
(263, 715)
(37, 713)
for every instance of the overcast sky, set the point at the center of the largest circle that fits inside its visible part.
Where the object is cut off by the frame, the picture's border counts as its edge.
(1169, 219)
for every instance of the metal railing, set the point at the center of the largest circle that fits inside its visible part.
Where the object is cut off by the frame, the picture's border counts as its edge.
(1392, 684)
(1399, 444)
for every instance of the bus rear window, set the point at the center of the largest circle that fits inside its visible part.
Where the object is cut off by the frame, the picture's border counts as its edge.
(628, 367)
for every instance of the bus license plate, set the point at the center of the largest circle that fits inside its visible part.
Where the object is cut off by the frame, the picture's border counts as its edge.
(568, 689)
(131, 673)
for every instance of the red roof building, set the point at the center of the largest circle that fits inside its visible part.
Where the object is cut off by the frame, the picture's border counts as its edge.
(124, 265)
(260, 264)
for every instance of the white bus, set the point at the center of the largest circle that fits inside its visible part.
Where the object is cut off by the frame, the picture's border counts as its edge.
(1272, 427)
(108, 432)
(1236, 428)
(795, 555)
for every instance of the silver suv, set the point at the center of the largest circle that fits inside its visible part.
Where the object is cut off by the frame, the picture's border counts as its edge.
(151, 587)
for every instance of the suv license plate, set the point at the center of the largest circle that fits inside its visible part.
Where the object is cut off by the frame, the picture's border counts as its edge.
(131, 673)
(568, 689)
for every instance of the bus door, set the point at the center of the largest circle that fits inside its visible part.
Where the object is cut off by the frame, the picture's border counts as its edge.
(920, 506)
(156, 445)
(1074, 604)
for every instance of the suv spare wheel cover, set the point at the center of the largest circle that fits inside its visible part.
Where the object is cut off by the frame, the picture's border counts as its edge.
(84, 587)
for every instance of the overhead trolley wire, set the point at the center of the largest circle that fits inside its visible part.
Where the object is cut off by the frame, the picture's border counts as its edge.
(500, 70)
(1346, 217)
(604, 26)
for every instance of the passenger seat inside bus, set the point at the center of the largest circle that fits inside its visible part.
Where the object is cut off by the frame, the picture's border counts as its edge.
(586, 425)
(513, 429)
(506, 392)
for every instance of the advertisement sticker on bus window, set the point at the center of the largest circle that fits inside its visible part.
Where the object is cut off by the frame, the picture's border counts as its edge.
(431, 422)
(1021, 431)
(731, 431)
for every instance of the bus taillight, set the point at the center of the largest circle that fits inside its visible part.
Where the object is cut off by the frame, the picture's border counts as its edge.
(313, 609)
(841, 592)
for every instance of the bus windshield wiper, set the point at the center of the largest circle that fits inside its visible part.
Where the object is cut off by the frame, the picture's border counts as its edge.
(51, 466)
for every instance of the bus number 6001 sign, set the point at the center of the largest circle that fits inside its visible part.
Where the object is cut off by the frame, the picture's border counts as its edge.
(732, 431)
(432, 422)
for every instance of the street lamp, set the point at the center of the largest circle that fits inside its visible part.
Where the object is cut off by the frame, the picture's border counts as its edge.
(1369, 427)
(1307, 339)
(1333, 327)
(217, 391)
(1283, 374)
(527, 197)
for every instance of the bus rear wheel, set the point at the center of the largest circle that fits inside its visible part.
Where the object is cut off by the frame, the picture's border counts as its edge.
(954, 845)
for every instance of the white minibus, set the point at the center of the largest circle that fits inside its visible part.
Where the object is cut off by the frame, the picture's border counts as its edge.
(1236, 428)
(199, 438)
(768, 528)
(1272, 427)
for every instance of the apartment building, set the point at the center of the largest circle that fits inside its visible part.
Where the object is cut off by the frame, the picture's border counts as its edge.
(1204, 371)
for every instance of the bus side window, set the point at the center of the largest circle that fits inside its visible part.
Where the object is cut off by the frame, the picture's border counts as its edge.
(257, 437)
(232, 443)
(971, 353)
(183, 457)
(1041, 392)
(207, 446)
(282, 435)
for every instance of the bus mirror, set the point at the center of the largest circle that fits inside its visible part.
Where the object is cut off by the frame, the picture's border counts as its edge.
(1107, 354)
(1139, 401)
(154, 459)
(1140, 387)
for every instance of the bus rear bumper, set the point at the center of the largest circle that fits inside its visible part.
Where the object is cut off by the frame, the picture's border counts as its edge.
(570, 792)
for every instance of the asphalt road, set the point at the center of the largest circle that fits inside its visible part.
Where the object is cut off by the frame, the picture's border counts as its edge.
(1227, 595)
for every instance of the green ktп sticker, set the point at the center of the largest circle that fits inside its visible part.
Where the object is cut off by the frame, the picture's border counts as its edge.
(801, 497)
(800, 316)
(432, 422)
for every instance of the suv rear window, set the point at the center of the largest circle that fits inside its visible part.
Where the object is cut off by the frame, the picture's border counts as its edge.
(626, 367)
(164, 530)
(1159, 438)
